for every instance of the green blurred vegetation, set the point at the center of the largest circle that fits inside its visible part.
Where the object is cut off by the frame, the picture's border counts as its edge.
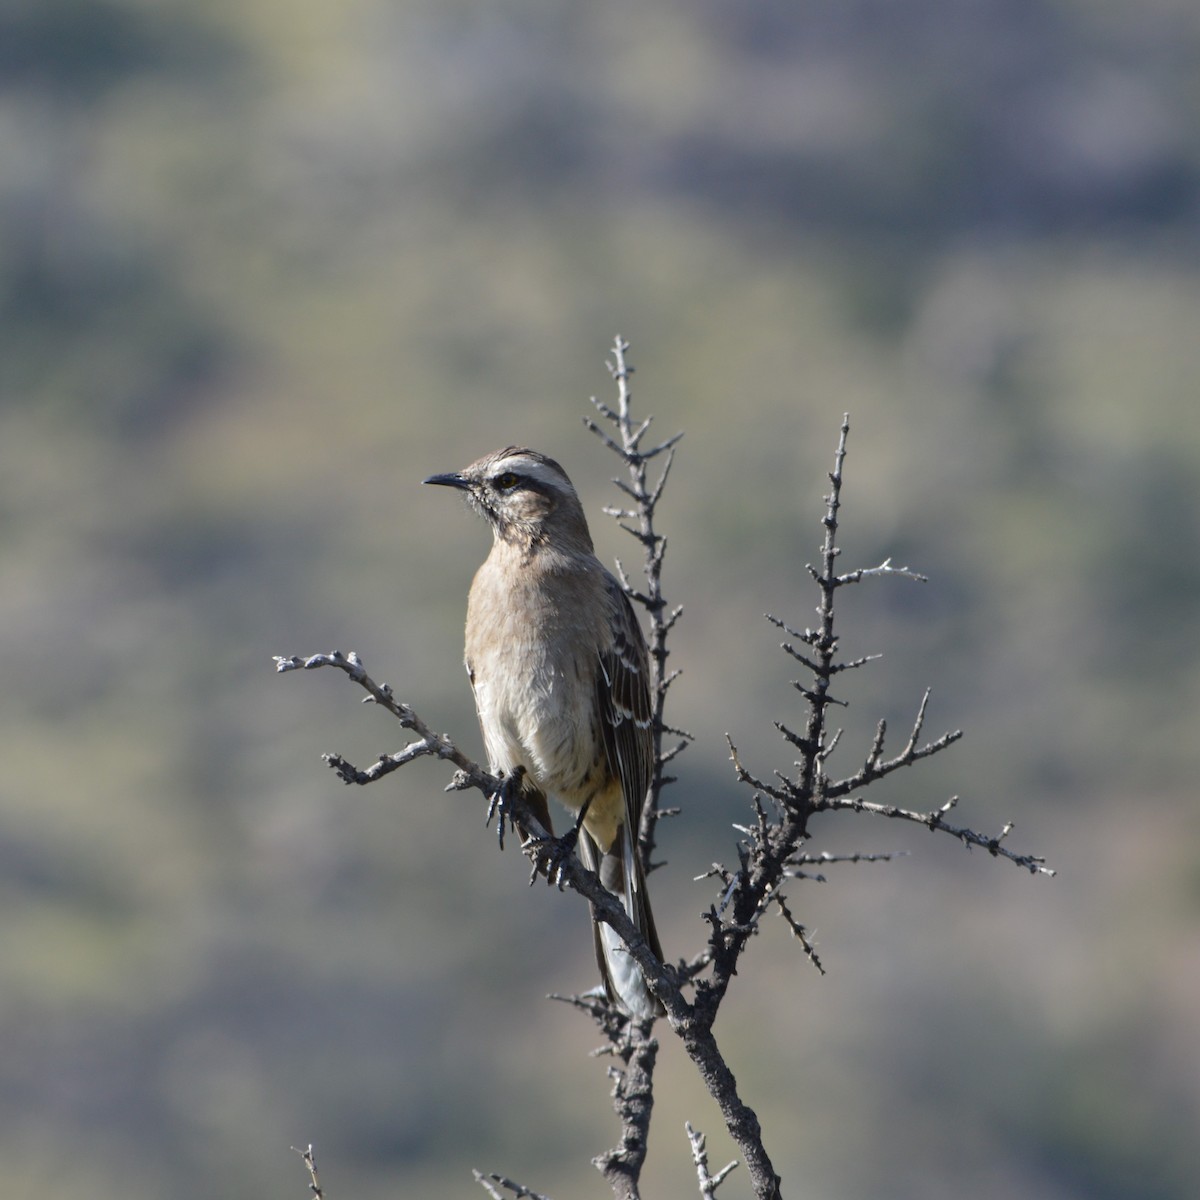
(263, 266)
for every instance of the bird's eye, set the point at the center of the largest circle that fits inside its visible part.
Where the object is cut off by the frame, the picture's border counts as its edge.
(507, 481)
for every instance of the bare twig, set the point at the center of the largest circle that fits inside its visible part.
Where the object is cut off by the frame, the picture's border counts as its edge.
(884, 568)
(936, 823)
(429, 743)
(708, 1183)
(314, 1182)
(798, 932)
(491, 1183)
(797, 863)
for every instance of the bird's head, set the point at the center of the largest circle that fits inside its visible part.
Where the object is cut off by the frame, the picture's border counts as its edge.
(525, 496)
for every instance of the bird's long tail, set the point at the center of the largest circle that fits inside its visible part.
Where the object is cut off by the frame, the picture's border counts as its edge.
(621, 874)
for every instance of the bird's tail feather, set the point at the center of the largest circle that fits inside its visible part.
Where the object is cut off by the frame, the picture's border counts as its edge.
(624, 981)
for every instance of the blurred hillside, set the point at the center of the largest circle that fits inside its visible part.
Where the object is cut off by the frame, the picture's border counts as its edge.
(264, 266)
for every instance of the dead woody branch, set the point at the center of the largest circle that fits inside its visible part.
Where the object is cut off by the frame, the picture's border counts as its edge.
(771, 851)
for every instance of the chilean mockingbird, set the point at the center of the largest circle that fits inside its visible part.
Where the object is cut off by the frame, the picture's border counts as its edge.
(561, 678)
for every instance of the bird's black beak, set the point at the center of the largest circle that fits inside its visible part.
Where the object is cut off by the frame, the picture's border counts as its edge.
(451, 480)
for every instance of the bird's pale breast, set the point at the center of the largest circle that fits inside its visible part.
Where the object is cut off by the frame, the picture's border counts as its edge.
(535, 680)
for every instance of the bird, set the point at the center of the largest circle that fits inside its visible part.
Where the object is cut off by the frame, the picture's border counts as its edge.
(561, 679)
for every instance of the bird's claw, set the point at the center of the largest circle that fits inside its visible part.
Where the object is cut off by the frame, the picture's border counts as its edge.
(550, 856)
(501, 802)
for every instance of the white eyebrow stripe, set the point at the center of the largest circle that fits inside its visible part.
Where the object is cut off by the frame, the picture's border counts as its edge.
(521, 464)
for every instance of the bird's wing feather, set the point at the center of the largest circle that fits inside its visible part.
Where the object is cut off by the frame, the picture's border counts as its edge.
(623, 702)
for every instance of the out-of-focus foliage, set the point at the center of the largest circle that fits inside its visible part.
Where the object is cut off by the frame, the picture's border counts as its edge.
(265, 265)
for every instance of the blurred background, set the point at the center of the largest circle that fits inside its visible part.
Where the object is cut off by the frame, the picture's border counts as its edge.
(265, 265)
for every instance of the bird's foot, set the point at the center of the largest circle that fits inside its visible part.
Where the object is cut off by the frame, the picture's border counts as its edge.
(501, 802)
(550, 856)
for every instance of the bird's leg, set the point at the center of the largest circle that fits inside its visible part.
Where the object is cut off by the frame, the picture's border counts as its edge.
(570, 839)
(551, 854)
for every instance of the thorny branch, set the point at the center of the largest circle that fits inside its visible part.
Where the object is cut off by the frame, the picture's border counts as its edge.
(771, 849)
(639, 523)
(632, 1073)
(504, 796)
